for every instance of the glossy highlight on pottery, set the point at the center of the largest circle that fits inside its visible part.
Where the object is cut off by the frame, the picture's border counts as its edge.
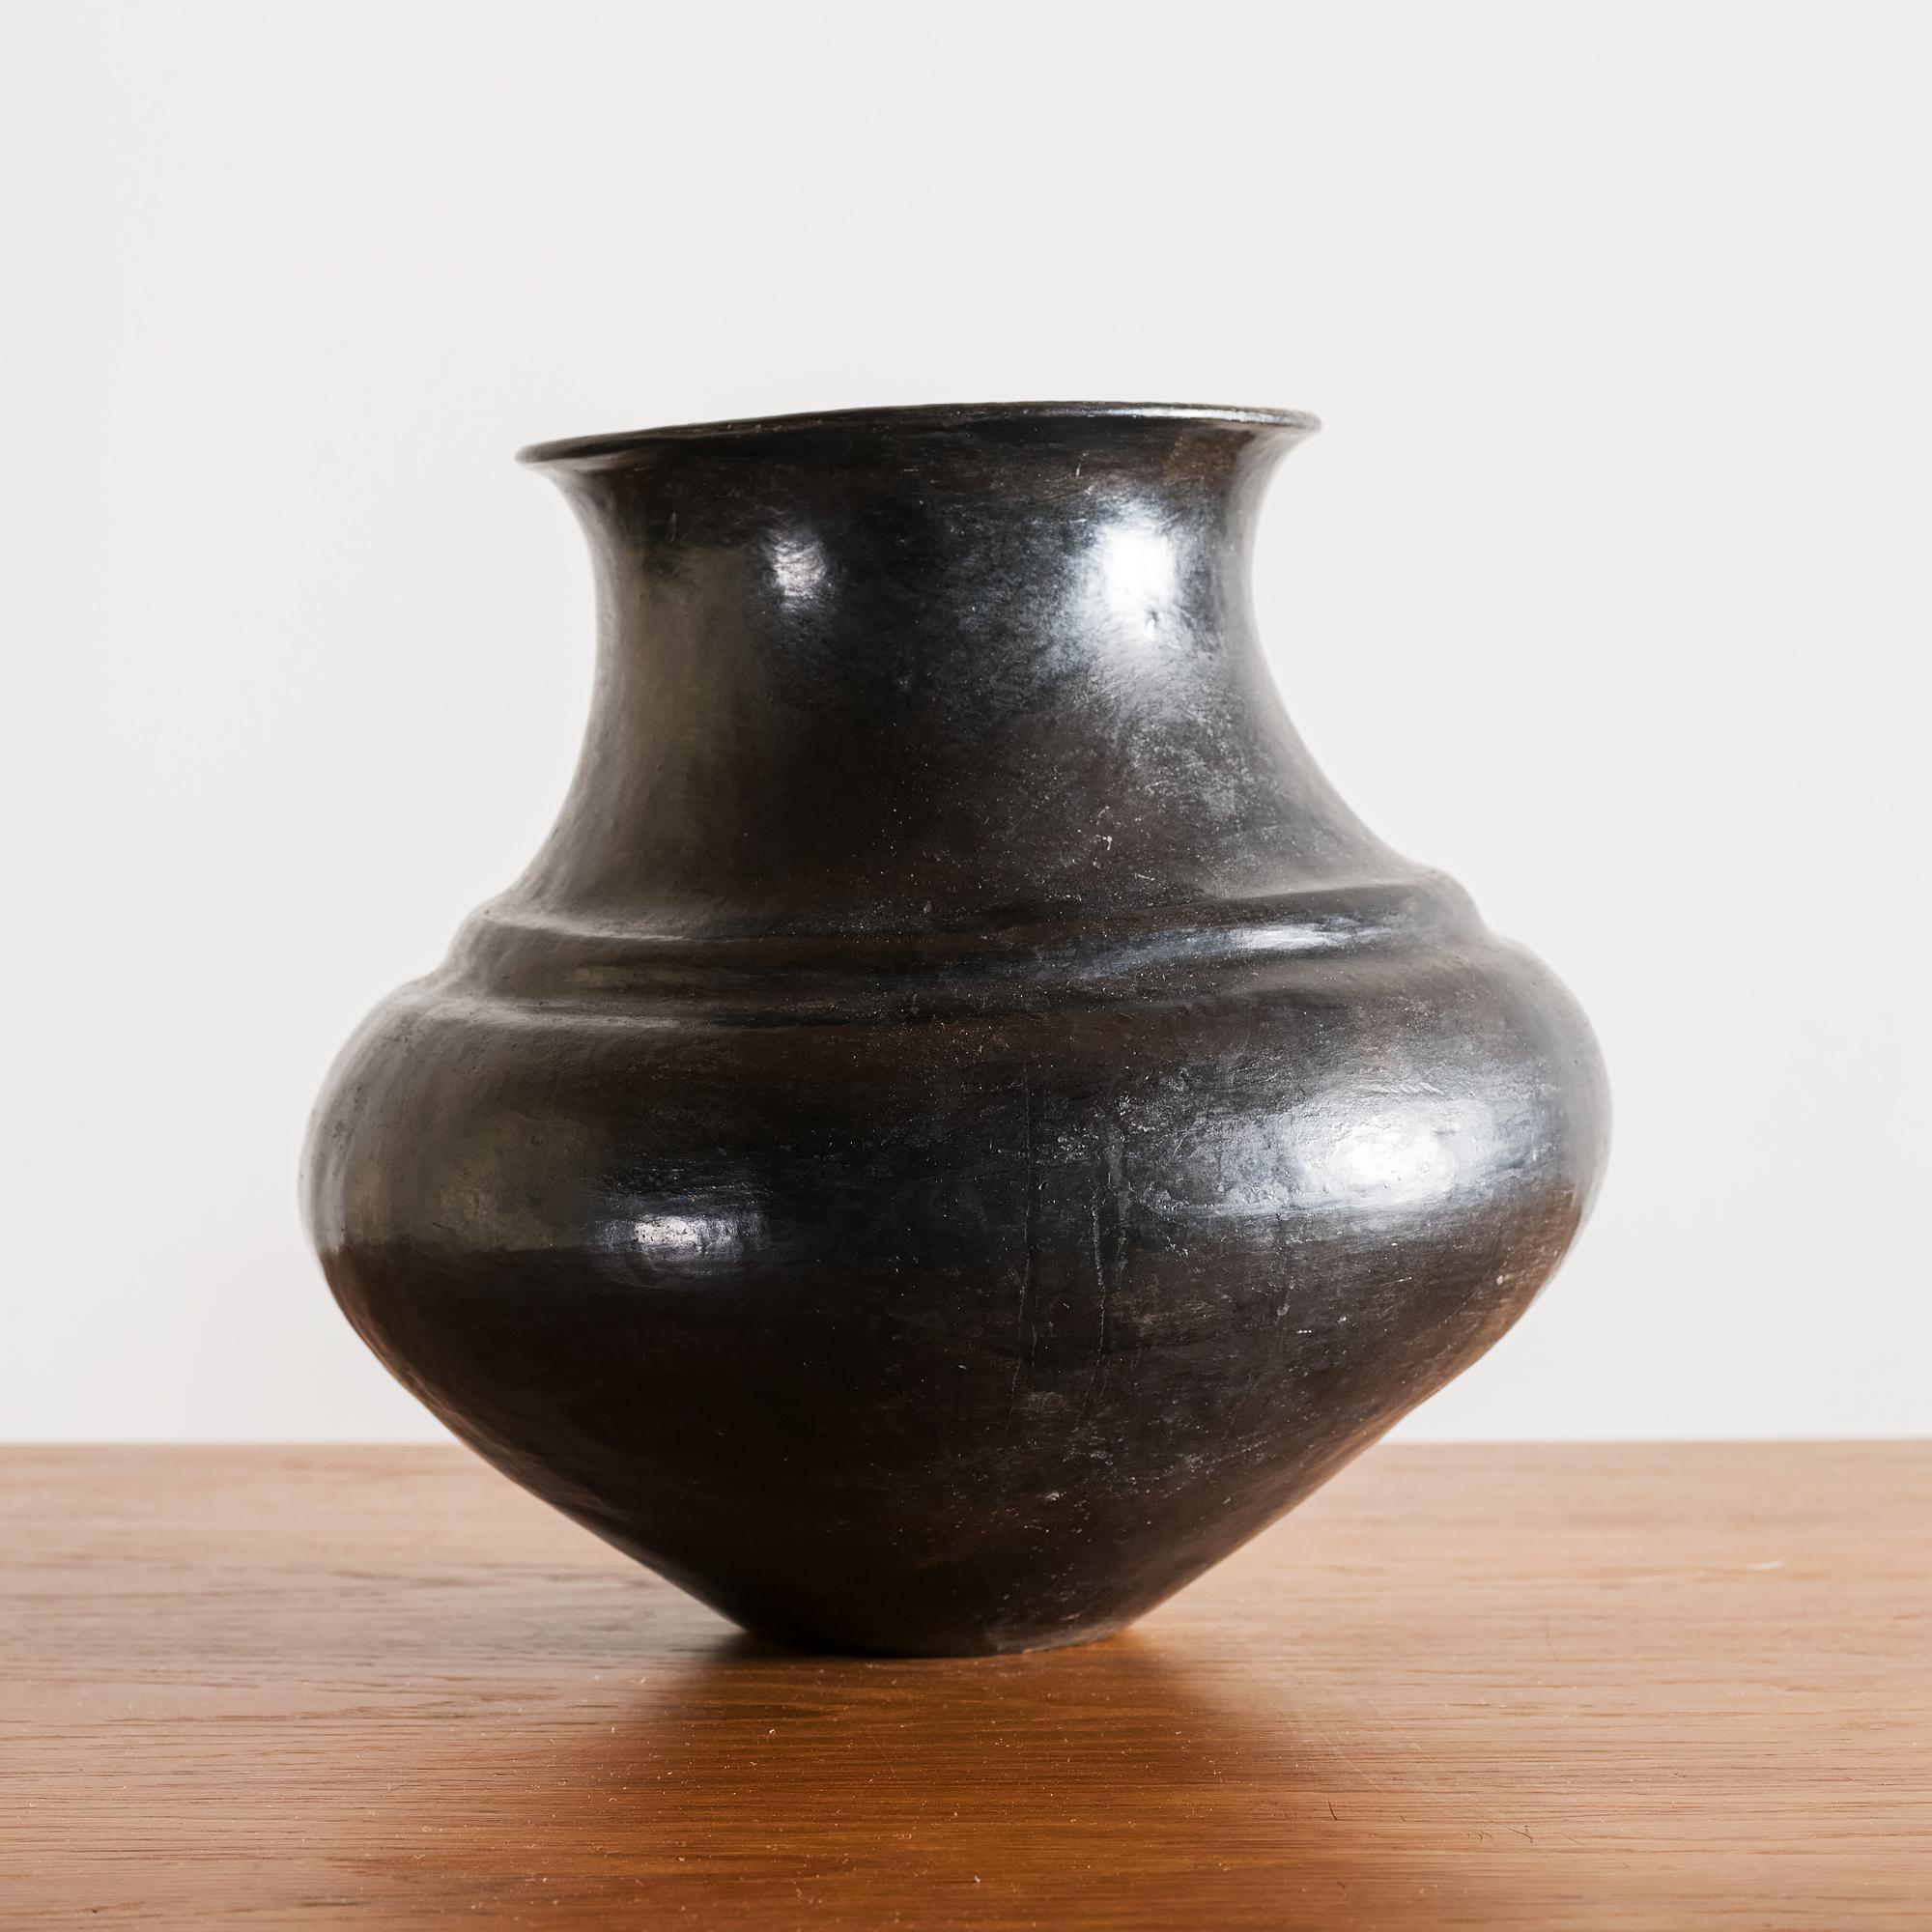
(959, 1126)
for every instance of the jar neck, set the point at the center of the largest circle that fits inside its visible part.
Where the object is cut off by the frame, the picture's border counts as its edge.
(891, 677)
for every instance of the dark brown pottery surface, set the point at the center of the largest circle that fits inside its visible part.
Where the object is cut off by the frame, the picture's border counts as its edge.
(959, 1126)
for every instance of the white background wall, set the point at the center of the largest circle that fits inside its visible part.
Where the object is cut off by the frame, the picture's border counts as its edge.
(1607, 588)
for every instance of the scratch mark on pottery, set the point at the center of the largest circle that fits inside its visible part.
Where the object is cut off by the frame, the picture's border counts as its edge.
(1104, 1288)
(1023, 1343)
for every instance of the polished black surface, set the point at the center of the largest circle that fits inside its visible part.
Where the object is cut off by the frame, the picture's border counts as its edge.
(959, 1126)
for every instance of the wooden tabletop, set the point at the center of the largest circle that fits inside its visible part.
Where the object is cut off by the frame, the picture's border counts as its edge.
(1488, 1688)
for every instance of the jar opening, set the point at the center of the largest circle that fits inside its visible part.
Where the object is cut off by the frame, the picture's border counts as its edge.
(589, 451)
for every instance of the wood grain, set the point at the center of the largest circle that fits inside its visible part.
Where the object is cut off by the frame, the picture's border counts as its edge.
(1487, 1687)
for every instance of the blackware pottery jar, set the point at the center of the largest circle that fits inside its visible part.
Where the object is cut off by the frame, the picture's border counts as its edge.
(959, 1126)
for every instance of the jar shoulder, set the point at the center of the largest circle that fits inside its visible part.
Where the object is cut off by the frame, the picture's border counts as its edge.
(1257, 1084)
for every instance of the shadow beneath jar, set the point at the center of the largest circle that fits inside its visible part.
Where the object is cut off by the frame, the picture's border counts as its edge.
(1123, 1783)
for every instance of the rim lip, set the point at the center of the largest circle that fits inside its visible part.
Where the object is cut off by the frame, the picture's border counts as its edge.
(593, 450)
